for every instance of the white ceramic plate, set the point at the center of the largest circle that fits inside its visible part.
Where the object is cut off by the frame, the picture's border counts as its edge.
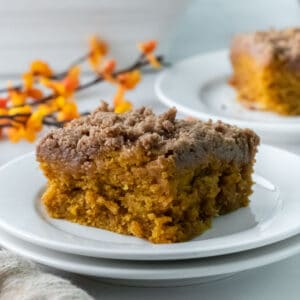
(269, 218)
(181, 272)
(198, 86)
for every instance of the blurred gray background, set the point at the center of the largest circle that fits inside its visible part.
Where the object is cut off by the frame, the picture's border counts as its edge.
(210, 24)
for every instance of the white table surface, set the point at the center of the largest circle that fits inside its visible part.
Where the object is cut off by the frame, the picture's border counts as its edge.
(277, 281)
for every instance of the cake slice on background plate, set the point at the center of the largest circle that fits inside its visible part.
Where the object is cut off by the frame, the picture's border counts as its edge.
(266, 70)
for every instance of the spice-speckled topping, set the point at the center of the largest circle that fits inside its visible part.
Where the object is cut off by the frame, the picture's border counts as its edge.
(267, 45)
(84, 139)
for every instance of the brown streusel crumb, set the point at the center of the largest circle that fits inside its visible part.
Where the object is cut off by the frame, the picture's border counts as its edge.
(151, 176)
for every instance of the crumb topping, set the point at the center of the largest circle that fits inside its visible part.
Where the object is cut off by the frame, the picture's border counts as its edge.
(84, 139)
(267, 45)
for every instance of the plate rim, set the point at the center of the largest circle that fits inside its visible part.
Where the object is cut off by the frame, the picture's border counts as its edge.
(148, 254)
(198, 268)
(256, 125)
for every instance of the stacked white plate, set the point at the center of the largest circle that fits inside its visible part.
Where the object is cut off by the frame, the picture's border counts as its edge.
(260, 234)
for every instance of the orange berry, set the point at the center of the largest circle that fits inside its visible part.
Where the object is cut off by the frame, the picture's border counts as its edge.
(109, 66)
(69, 112)
(35, 93)
(57, 87)
(3, 102)
(98, 45)
(153, 61)
(20, 110)
(16, 97)
(147, 47)
(129, 79)
(98, 49)
(29, 135)
(40, 68)
(15, 134)
(71, 81)
(123, 107)
(28, 80)
(119, 97)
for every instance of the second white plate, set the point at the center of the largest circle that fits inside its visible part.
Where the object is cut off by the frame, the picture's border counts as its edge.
(271, 216)
(198, 86)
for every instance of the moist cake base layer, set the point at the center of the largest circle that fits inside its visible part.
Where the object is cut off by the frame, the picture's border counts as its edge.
(148, 199)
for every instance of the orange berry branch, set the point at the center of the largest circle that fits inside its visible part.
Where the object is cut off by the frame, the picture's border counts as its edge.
(48, 98)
